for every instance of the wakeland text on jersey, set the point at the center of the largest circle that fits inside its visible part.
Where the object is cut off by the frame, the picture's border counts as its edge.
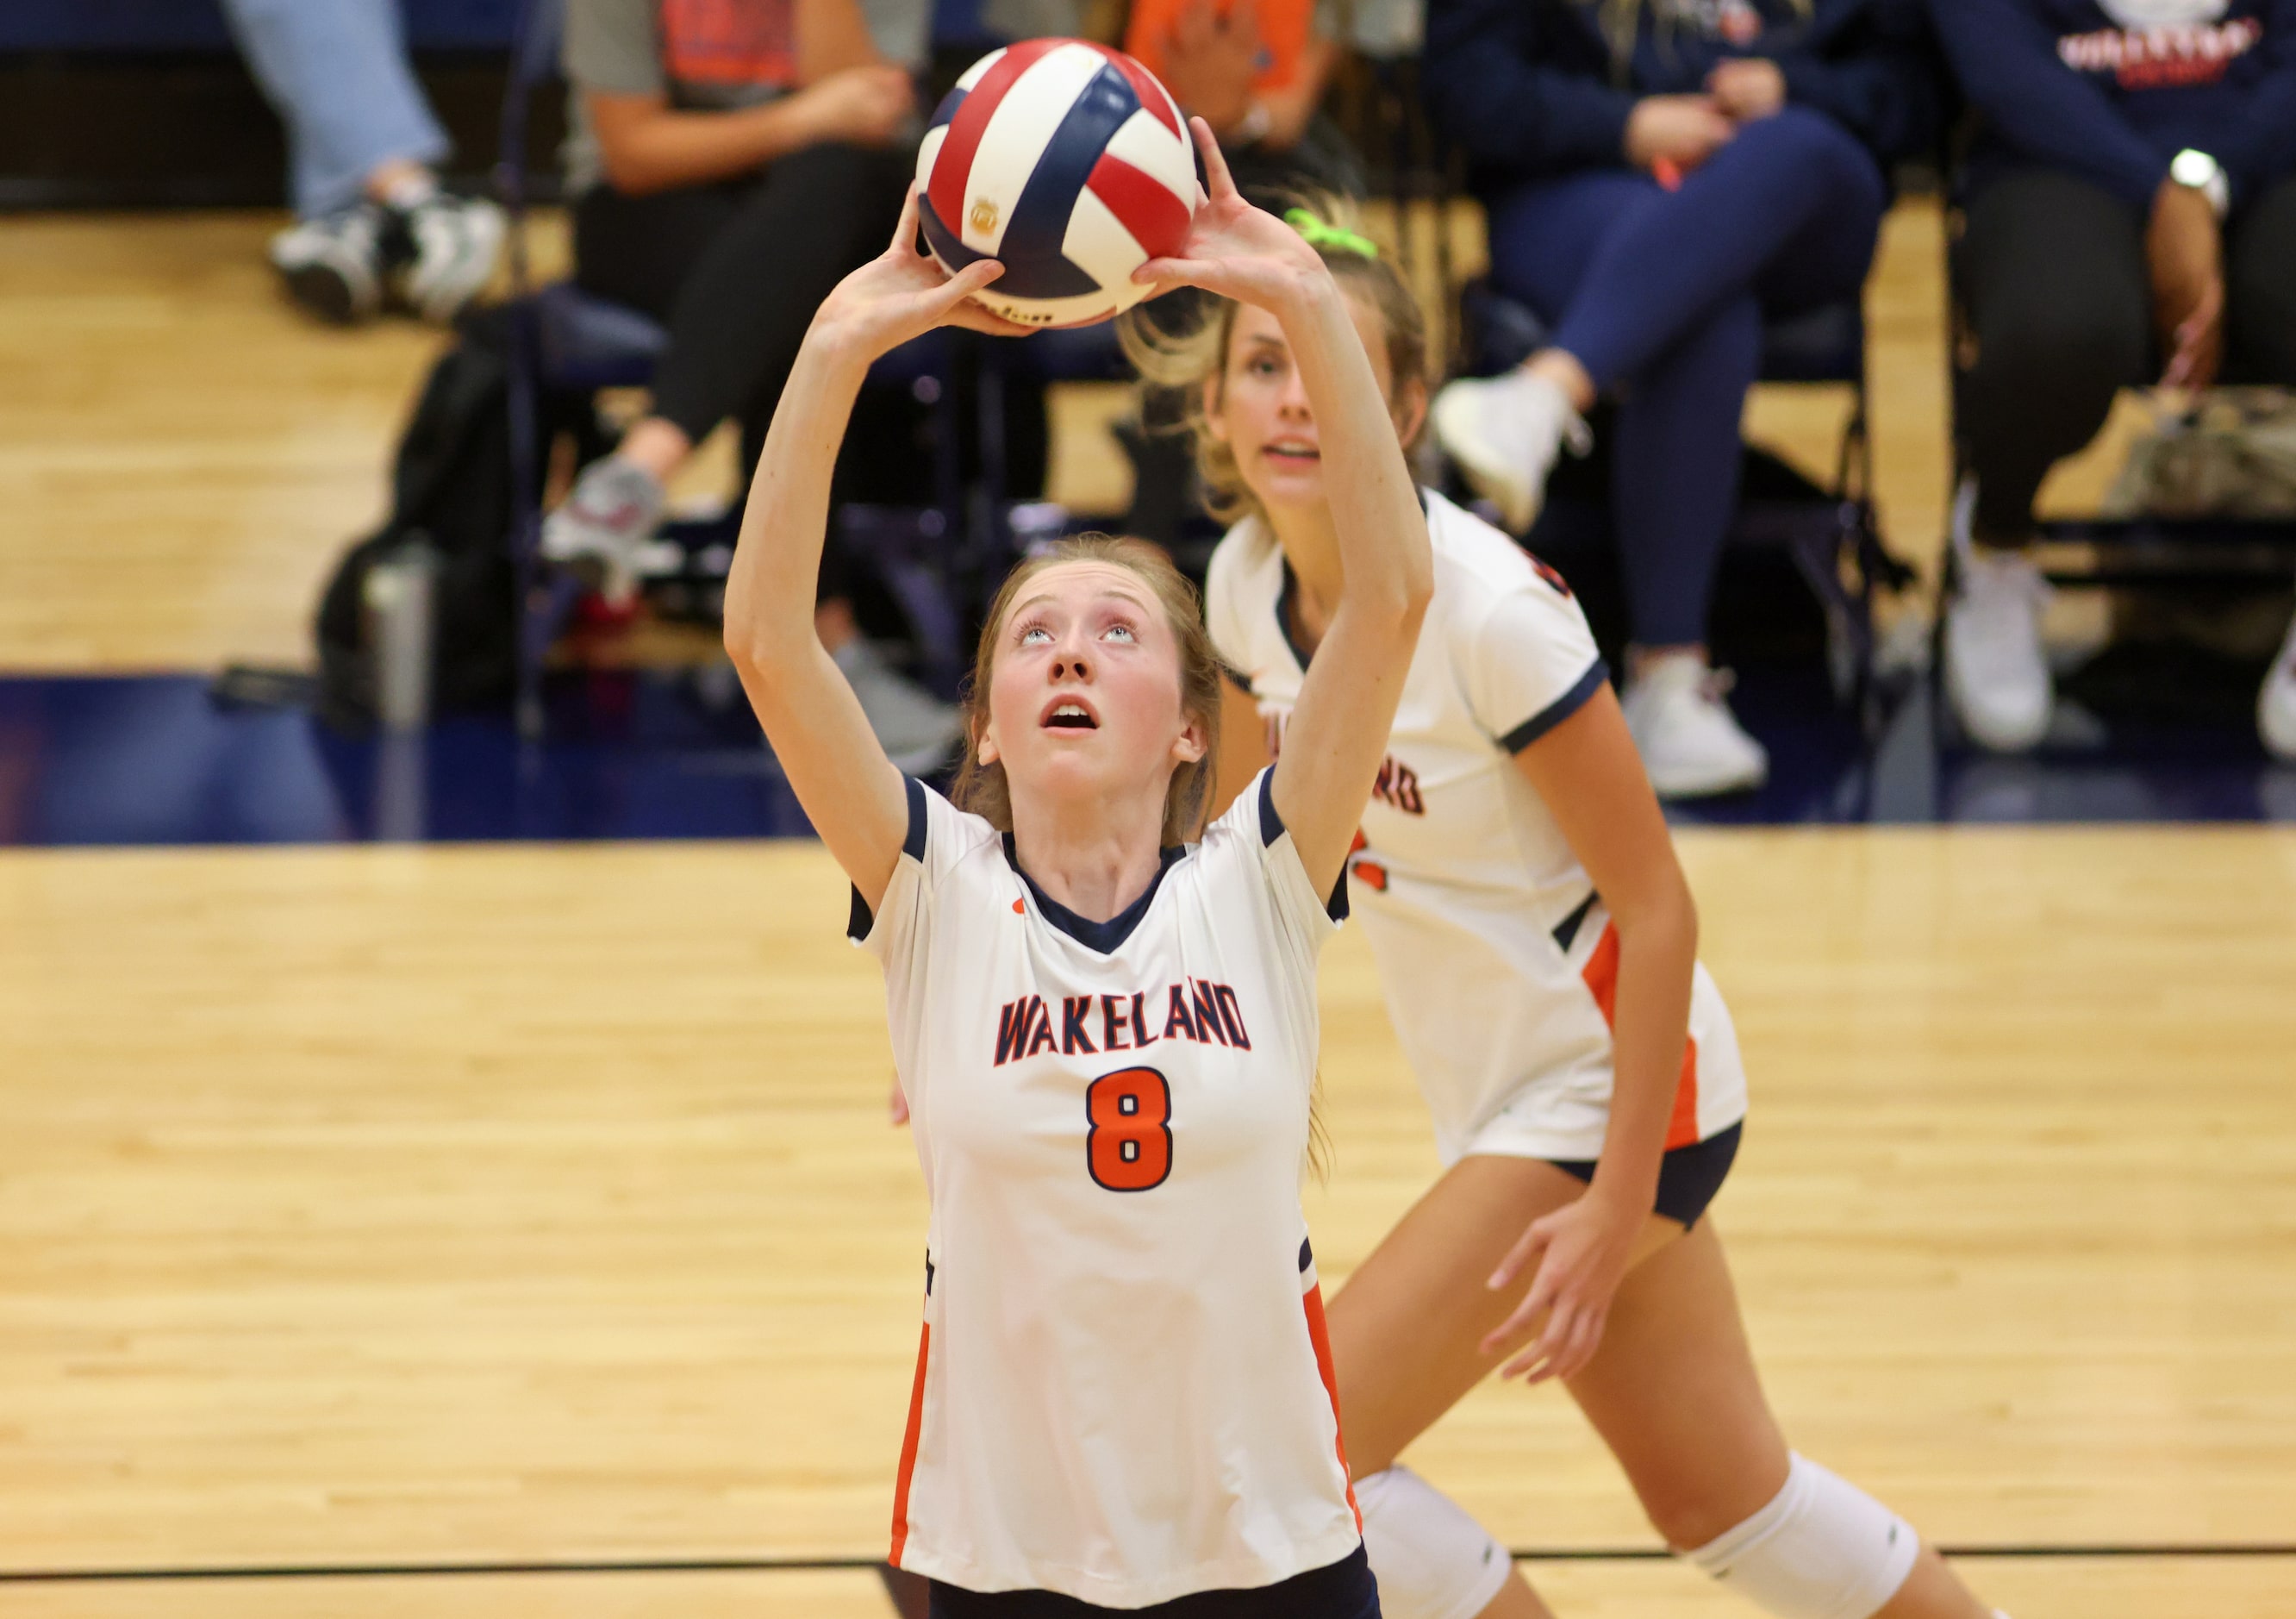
(1200, 1011)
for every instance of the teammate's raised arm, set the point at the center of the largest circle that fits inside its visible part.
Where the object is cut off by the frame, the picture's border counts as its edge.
(1338, 732)
(848, 787)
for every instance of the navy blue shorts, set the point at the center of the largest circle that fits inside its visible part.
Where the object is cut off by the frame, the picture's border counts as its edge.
(1344, 1590)
(1688, 1177)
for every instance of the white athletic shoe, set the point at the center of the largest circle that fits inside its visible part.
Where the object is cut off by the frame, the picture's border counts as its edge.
(455, 242)
(332, 266)
(604, 529)
(1995, 673)
(1692, 744)
(2276, 703)
(1505, 434)
(917, 730)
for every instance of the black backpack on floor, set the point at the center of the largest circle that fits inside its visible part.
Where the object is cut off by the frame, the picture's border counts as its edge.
(451, 490)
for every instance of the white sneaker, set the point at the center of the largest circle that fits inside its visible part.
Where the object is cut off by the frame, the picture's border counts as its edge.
(2276, 703)
(1997, 669)
(604, 529)
(1692, 744)
(917, 730)
(332, 266)
(1505, 434)
(456, 242)
(1996, 674)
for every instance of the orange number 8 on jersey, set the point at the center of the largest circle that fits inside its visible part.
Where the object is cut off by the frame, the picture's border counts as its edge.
(1129, 1146)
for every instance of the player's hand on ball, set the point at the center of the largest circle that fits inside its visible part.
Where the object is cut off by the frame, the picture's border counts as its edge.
(1582, 1251)
(1234, 249)
(904, 293)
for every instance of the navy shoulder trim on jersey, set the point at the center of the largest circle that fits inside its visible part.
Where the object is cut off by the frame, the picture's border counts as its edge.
(860, 919)
(1555, 712)
(1283, 616)
(1105, 937)
(1566, 931)
(1271, 827)
(1236, 677)
(914, 844)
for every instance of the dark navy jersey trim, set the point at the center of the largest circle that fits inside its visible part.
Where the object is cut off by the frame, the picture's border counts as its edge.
(1307, 1256)
(1566, 931)
(1555, 712)
(1236, 678)
(1105, 937)
(1271, 827)
(1284, 617)
(860, 919)
(914, 844)
(1291, 588)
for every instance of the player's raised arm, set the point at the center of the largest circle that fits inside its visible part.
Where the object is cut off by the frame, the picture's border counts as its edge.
(1338, 732)
(849, 788)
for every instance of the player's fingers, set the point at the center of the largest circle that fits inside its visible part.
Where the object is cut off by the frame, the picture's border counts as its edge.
(1220, 184)
(905, 233)
(898, 1106)
(1506, 1332)
(1578, 1348)
(1554, 1343)
(972, 278)
(972, 317)
(1165, 274)
(1531, 1363)
(1528, 1248)
(1525, 1316)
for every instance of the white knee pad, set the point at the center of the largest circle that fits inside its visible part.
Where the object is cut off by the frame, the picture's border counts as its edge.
(1432, 1560)
(1823, 1549)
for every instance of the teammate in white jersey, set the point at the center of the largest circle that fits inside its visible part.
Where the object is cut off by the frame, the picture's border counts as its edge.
(1538, 943)
(1106, 1035)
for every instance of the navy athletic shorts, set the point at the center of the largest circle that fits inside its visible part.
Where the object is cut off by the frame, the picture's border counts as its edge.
(1344, 1590)
(1688, 1177)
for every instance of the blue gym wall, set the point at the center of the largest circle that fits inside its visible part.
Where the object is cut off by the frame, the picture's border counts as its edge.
(197, 25)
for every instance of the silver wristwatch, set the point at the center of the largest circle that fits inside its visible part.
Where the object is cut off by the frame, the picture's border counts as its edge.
(2203, 174)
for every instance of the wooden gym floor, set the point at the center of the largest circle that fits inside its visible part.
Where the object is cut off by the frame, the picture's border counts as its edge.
(437, 1209)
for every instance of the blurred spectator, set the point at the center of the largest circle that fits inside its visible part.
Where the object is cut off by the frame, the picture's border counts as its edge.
(1661, 179)
(1256, 72)
(361, 143)
(730, 162)
(2131, 218)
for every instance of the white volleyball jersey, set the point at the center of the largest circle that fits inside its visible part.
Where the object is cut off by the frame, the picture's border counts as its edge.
(1497, 957)
(1123, 1390)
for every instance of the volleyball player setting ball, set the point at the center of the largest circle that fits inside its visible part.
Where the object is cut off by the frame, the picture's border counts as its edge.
(1105, 1032)
(1538, 943)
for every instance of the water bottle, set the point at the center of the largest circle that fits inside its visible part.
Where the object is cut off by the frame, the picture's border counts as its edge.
(398, 598)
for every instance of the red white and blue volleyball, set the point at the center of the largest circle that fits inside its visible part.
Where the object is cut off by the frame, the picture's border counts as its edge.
(1067, 162)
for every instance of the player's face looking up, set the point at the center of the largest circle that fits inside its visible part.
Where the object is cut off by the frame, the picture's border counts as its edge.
(1085, 690)
(1257, 407)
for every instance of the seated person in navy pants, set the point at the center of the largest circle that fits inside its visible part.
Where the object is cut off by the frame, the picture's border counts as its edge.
(1661, 179)
(2131, 205)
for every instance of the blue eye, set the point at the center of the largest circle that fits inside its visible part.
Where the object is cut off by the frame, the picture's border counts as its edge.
(1124, 631)
(1035, 634)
